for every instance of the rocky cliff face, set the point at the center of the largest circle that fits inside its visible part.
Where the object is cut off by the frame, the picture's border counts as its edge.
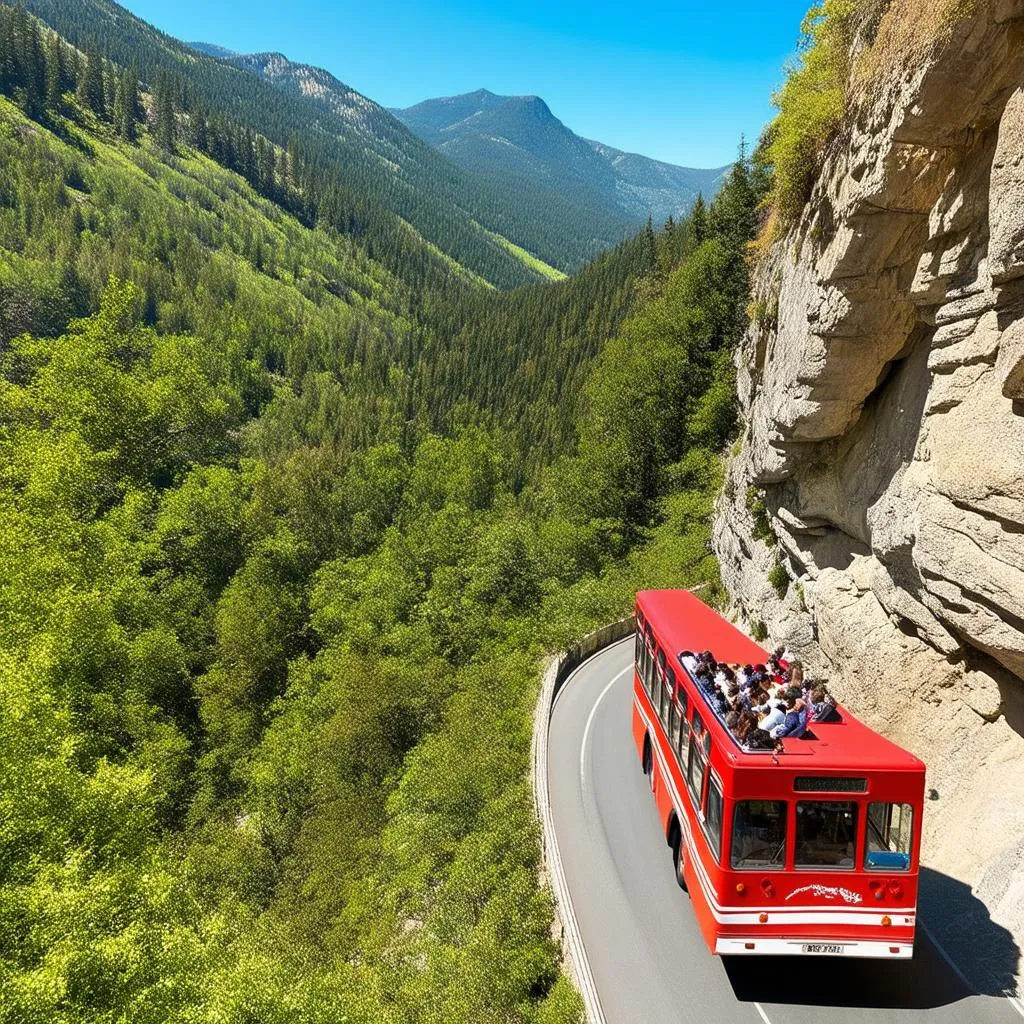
(882, 386)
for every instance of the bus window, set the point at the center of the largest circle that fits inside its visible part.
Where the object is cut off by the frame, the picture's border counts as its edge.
(639, 657)
(826, 833)
(684, 725)
(890, 828)
(696, 768)
(666, 690)
(673, 725)
(713, 817)
(649, 659)
(759, 834)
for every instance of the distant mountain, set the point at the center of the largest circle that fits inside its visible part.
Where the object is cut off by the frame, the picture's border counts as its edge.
(509, 137)
(212, 50)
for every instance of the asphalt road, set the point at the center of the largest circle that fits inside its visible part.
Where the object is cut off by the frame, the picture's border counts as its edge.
(646, 953)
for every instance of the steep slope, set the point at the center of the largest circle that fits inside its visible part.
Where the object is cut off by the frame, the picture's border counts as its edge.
(382, 162)
(874, 517)
(560, 227)
(518, 136)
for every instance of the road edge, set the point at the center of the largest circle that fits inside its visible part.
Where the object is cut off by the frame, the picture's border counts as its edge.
(557, 670)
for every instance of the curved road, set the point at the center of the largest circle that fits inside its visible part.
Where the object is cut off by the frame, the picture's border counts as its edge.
(646, 953)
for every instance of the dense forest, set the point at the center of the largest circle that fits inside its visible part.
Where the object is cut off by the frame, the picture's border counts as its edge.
(289, 521)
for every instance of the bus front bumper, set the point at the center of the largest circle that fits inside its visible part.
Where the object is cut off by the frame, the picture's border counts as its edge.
(761, 946)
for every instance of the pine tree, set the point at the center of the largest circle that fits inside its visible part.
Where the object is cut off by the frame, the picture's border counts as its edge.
(699, 220)
(90, 84)
(163, 102)
(110, 79)
(200, 131)
(55, 74)
(25, 68)
(126, 106)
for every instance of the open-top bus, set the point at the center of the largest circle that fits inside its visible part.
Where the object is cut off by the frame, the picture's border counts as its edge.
(812, 848)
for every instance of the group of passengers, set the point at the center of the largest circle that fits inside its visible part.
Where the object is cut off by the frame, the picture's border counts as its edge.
(761, 704)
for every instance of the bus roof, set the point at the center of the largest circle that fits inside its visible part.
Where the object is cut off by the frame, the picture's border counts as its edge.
(683, 622)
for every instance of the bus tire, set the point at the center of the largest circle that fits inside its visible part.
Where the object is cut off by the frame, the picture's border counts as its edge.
(646, 760)
(678, 858)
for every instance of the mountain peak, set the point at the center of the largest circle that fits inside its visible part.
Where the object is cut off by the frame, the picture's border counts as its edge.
(512, 138)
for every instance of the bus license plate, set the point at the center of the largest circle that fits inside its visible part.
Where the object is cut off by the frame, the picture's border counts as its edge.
(822, 947)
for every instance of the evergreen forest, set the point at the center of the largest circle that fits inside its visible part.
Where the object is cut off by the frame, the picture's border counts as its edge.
(293, 505)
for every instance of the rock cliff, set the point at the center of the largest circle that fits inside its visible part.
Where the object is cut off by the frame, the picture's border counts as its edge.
(873, 517)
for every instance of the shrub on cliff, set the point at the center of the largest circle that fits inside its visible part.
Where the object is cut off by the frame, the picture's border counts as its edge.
(810, 103)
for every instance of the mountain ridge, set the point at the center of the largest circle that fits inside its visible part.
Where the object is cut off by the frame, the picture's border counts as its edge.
(517, 136)
(560, 229)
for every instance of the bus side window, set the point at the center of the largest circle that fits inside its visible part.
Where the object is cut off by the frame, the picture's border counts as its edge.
(696, 769)
(759, 834)
(639, 650)
(665, 693)
(713, 817)
(673, 725)
(684, 725)
(649, 659)
(890, 832)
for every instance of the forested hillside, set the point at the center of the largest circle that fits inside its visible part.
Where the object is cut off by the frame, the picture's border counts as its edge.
(564, 227)
(370, 162)
(290, 511)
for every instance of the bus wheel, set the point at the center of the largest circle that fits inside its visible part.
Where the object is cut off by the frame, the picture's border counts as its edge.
(646, 760)
(678, 861)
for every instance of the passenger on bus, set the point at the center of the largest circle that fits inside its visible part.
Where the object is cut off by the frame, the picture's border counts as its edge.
(823, 705)
(758, 739)
(746, 725)
(773, 718)
(720, 703)
(759, 700)
(705, 681)
(795, 723)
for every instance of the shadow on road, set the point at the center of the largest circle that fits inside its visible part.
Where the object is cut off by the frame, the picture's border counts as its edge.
(984, 952)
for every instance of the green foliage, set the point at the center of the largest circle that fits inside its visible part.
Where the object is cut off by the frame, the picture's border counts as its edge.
(811, 103)
(286, 534)
(758, 630)
(779, 579)
(762, 524)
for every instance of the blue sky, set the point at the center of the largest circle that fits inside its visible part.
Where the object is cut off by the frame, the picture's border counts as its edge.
(674, 80)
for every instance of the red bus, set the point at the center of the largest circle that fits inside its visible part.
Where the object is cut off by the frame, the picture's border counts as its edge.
(810, 849)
